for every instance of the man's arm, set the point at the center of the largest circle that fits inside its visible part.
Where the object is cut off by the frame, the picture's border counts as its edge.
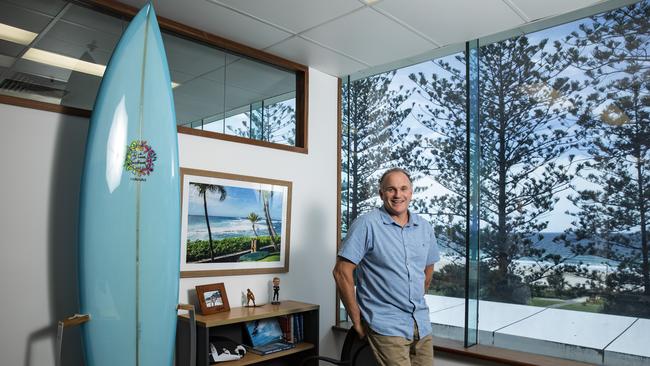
(344, 277)
(428, 275)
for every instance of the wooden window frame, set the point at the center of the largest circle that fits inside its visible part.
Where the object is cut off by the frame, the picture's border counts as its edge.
(199, 36)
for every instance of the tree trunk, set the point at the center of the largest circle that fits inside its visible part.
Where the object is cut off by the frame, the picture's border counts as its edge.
(207, 222)
(269, 223)
(502, 234)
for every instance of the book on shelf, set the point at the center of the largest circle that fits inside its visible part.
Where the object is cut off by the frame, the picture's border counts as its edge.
(292, 327)
(286, 324)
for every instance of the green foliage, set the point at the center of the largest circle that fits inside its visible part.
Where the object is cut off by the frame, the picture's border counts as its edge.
(275, 123)
(200, 249)
(583, 306)
(633, 305)
(253, 257)
(613, 213)
(272, 258)
(524, 128)
(449, 281)
(543, 302)
(372, 138)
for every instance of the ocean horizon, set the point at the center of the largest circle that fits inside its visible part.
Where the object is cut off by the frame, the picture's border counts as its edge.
(550, 246)
(223, 227)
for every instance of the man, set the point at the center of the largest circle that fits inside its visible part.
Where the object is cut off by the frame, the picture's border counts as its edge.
(393, 251)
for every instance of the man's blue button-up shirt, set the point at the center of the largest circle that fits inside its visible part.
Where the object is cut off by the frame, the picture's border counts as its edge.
(390, 263)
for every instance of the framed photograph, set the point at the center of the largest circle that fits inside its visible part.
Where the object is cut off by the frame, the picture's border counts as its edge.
(212, 298)
(233, 224)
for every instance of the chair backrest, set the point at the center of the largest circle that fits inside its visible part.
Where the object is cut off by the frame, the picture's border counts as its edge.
(356, 350)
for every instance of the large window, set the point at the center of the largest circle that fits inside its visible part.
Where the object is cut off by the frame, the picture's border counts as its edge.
(562, 148)
(56, 52)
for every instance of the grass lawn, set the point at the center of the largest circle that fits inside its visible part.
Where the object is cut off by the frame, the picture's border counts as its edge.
(535, 301)
(590, 308)
(271, 258)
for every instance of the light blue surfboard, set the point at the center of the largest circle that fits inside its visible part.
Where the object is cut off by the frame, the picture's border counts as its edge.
(129, 225)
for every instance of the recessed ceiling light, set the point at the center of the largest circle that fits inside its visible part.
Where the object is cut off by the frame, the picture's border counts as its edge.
(70, 63)
(16, 35)
(21, 36)
(65, 62)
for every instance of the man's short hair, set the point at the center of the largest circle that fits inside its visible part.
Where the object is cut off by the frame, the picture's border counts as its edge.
(394, 170)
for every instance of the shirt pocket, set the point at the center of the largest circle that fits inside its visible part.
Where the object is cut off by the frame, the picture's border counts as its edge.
(418, 253)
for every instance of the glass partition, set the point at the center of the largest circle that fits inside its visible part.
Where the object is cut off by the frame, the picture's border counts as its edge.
(536, 147)
(473, 204)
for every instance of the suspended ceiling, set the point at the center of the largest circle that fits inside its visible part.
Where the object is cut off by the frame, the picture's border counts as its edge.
(342, 37)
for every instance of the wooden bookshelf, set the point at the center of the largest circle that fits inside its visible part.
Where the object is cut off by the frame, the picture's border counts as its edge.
(252, 358)
(231, 324)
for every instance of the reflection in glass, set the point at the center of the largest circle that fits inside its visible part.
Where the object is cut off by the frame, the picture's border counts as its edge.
(43, 42)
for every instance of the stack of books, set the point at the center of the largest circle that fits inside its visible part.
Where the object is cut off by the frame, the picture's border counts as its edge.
(292, 328)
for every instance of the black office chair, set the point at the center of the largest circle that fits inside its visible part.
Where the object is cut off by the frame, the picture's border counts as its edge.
(355, 352)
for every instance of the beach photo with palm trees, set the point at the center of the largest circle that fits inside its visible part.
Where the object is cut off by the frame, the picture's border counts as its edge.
(227, 221)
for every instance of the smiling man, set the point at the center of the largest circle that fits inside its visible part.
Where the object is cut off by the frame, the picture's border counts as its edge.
(393, 251)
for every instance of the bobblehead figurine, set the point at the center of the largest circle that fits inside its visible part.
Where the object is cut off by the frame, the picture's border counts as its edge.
(276, 291)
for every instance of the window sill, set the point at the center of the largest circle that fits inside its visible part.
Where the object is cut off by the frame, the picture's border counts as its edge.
(487, 353)
(558, 337)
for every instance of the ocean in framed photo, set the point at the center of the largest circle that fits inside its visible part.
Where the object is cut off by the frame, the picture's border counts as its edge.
(223, 227)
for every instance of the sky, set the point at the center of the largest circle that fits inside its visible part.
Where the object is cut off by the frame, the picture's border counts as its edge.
(239, 202)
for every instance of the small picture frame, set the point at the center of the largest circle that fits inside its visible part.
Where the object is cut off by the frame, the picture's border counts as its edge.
(212, 298)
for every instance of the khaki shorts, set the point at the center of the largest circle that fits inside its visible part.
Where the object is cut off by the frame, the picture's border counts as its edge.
(399, 351)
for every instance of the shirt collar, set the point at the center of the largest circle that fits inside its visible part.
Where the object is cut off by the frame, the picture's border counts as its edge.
(387, 219)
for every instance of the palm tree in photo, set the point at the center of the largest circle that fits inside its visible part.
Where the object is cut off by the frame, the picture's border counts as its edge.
(267, 196)
(203, 190)
(253, 218)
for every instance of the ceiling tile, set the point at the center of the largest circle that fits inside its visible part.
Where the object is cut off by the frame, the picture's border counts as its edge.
(294, 15)
(535, 10)
(189, 59)
(448, 22)
(218, 20)
(73, 40)
(260, 79)
(308, 53)
(367, 35)
(19, 17)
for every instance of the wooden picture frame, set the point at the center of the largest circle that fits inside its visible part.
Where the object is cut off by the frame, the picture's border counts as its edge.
(212, 298)
(233, 224)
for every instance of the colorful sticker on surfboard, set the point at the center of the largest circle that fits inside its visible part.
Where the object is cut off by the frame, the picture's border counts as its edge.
(140, 158)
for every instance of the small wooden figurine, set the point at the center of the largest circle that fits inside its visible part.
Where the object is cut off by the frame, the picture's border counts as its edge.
(250, 297)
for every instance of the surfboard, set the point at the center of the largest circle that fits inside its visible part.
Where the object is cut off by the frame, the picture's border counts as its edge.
(129, 223)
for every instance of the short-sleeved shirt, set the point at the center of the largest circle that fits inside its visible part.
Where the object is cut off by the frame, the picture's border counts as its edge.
(390, 276)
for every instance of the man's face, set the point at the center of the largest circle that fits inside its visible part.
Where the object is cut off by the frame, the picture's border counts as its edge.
(396, 193)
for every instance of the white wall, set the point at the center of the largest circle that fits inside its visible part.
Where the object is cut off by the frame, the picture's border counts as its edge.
(41, 155)
(313, 214)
